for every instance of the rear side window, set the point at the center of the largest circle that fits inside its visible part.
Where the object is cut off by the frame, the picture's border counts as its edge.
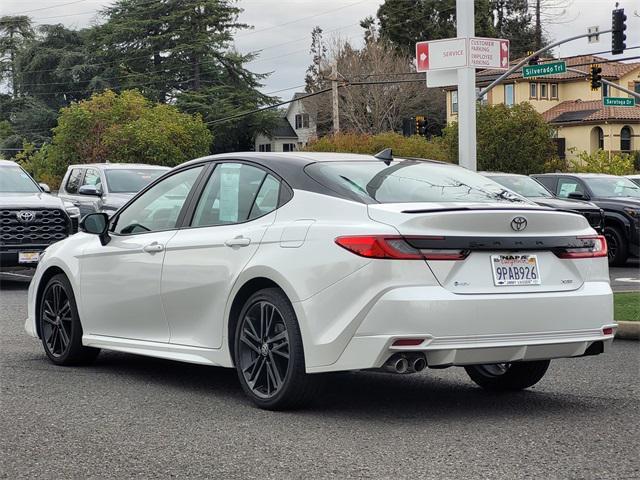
(73, 183)
(408, 181)
(235, 193)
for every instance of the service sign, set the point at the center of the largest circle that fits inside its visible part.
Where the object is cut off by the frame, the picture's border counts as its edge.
(489, 53)
(441, 54)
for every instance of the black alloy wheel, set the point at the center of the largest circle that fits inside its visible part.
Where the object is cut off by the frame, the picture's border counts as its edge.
(269, 354)
(616, 246)
(60, 328)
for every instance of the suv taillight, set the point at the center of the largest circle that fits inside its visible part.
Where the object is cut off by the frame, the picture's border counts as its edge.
(395, 248)
(596, 249)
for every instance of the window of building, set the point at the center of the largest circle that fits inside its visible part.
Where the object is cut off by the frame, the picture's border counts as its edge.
(554, 91)
(288, 147)
(302, 120)
(264, 147)
(533, 90)
(597, 139)
(483, 100)
(625, 139)
(636, 87)
(605, 90)
(509, 99)
(544, 90)
(454, 101)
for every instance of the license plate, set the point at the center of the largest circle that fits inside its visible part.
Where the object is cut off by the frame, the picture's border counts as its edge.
(513, 270)
(28, 257)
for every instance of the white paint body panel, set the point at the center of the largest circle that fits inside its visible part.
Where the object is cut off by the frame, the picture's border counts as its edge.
(176, 304)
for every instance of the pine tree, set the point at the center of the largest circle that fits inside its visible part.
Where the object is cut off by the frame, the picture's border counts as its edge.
(14, 32)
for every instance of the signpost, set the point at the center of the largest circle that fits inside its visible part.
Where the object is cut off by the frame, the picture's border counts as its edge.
(544, 69)
(619, 102)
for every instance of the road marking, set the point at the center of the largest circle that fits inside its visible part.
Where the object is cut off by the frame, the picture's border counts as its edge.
(627, 279)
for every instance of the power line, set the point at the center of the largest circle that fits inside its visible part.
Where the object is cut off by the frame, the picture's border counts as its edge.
(45, 8)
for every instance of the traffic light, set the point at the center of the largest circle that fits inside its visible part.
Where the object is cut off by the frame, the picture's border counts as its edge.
(596, 77)
(618, 25)
(421, 125)
(533, 60)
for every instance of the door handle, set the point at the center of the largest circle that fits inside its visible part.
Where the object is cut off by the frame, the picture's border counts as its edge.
(153, 247)
(238, 241)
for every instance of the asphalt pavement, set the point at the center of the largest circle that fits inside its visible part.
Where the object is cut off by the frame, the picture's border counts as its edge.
(626, 278)
(134, 417)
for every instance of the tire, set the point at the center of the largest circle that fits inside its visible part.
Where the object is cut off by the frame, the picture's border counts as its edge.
(508, 376)
(60, 328)
(617, 247)
(269, 354)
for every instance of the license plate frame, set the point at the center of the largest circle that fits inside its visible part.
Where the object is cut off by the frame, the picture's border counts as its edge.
(28, 257)
(515, 270)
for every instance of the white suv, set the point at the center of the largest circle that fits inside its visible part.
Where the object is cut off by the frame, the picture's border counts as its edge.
(289, 265)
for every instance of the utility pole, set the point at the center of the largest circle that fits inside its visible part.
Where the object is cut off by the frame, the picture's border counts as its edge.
(334, 97)
(466, 90)
(538, 34)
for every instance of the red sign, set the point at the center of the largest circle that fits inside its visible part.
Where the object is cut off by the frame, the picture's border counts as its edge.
(422, 56)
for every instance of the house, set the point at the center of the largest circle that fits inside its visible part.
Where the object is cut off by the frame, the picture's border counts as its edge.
(567, 102)
(293, 131)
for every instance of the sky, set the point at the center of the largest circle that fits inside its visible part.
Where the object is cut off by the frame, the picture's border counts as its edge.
(282, 28)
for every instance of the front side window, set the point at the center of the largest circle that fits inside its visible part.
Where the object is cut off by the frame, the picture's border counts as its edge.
(408, 181)
(74, 180)
(508, 95)
(92, 178)
(454, 101)
(613, 187)
(235, 193)
(159, 207)
(14, 179)
(567, 186)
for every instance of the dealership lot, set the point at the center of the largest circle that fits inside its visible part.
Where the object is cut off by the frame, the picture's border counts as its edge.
(131, 416)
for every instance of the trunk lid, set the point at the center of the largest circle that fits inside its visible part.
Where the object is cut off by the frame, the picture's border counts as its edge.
(486, 232)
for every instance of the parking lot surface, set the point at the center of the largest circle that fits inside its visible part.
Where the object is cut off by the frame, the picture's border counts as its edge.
(128, 416)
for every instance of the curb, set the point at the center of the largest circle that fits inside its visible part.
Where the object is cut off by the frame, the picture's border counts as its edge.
(628, 330)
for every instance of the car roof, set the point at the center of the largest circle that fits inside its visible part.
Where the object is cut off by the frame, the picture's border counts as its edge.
(7, 163)
(114, 166)
(581, 175)
(636, 175)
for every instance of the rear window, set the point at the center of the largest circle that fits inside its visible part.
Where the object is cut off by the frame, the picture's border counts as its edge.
(408, 181)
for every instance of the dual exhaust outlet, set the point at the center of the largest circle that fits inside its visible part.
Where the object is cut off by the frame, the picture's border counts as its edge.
(409, 362)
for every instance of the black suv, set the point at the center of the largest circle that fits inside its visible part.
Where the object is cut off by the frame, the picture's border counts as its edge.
(619, 197)
(30, 218)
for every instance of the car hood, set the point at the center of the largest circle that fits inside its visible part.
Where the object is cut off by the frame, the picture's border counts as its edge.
(619, 202)
(116, 200)
(577, 205)
(29, 200)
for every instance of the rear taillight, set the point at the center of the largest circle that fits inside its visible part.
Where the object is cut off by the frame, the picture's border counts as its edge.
(395, 248)
(592, 249)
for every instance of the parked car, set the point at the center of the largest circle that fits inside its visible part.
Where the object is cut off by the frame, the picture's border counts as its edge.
(287, 265)
(634, 178)
(30, 218)
(538, 193)
(105, 187)
(619, 197)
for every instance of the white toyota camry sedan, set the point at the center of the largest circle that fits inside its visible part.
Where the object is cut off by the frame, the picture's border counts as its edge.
(284, 266)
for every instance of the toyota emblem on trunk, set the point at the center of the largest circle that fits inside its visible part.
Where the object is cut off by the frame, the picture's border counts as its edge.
(26, 216)
(519, 224)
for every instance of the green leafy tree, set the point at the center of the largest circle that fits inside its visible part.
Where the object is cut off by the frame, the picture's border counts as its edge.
(510, 139)
(603, 162)
(405, 22)
(14, 31)
(126, 127)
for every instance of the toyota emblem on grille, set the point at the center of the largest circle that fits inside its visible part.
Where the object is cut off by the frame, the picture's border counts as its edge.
(26, 216)
(519, 224)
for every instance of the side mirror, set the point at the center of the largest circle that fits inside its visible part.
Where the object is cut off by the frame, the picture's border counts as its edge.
(89, 190)
(96, 224)
(45, 188)
(577, 196)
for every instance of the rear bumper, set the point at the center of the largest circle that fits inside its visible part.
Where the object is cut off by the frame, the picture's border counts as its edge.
(471, 329)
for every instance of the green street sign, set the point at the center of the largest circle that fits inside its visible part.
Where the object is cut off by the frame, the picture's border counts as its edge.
(619, 102)
(544, 69)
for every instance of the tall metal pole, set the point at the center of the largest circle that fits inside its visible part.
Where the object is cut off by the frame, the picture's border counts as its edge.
(334, 97)
(466, 90)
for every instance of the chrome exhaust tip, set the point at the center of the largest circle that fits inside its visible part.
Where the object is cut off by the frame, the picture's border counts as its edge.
(397, 364)
(418, 363)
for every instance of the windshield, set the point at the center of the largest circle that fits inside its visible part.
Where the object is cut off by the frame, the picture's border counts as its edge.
(408, 181)
(14, 179)
(613, 187)
(525, 186)
(131, 181)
